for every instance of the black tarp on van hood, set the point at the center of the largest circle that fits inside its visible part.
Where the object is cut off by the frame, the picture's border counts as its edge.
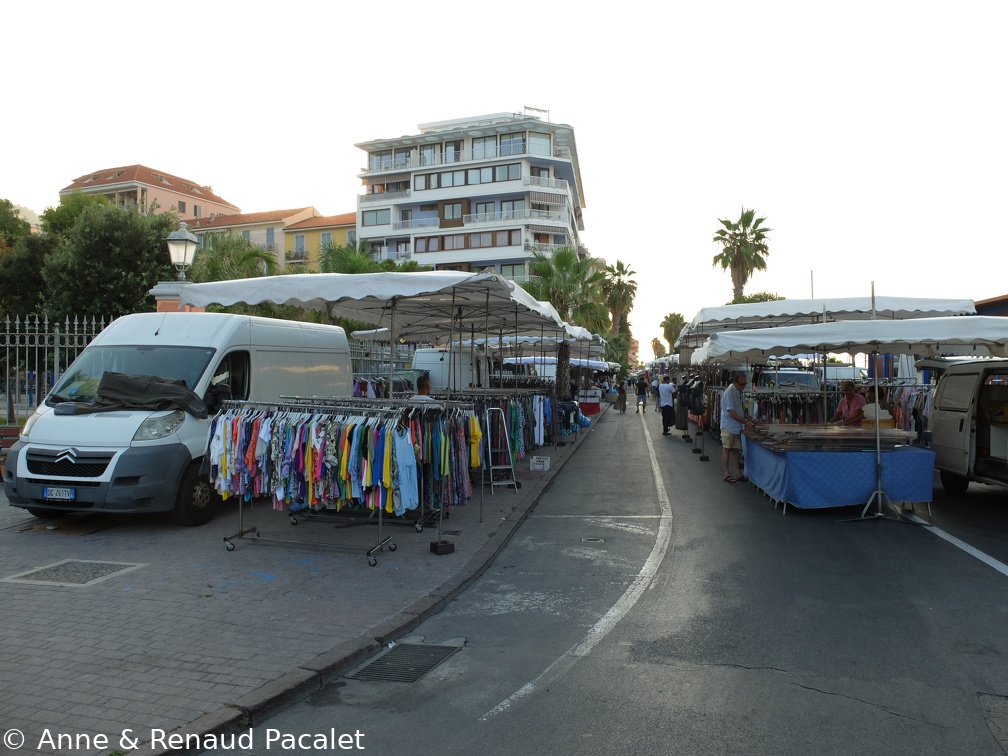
(118, 391)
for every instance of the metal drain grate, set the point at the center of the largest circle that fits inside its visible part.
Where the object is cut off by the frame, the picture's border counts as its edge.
(73, 572)
(406, 662)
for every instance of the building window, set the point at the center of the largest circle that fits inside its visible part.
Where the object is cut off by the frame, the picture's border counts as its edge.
(513, 271)
(455, 241)
(430, 154)
(181, 206)
(503, 238)
(380, 161)
(484, 147)
(512, 144)
(539, 144)
(376, 217)
(247, 236)
(481, 240)
(512, 209)
(351, 237)
(271, 239)
(507, 172)
(453, 211)
(299, 246)
(484, 212)
(400, 157)
(406, 215)
(326, 239)
(538, 171)
(453, 151)
(425, 181)
(197, 211)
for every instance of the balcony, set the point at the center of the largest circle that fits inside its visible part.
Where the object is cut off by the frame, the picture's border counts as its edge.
(383, 196)
(546, 183)
(509, 216)
(466, 156)
(543, 249)
(415, 223)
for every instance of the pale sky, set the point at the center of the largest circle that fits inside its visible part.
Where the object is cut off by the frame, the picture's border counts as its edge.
(872, 135)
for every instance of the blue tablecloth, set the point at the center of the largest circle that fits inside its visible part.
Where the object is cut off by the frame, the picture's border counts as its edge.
(813, 479)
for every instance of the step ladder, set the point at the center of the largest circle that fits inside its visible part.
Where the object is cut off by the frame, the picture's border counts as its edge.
(491, 450)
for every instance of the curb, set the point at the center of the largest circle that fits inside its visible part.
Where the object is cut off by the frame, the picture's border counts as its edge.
(296, 685)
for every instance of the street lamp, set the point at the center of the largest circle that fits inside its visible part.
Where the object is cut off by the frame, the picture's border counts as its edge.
(182, 249)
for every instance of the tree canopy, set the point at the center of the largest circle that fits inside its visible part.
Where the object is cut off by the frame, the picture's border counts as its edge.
(13, 227)
(107, 262)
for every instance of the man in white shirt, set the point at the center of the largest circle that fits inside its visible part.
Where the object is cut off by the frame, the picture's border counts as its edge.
(666, 400)
(733, 419)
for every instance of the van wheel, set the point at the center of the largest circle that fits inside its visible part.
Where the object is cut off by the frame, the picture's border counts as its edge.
(954, 484)
(196, 498)
(47, 514)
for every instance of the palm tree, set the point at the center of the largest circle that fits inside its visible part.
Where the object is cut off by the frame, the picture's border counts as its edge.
(672, 326)
(347, 258)
(743, 248)
(657, 347)
(225, 257)
(574, 286)
(620, 290)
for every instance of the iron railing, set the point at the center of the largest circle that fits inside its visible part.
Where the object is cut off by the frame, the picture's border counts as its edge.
(36, 350)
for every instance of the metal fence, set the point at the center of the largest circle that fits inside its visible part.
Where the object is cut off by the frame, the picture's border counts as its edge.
(35, 351)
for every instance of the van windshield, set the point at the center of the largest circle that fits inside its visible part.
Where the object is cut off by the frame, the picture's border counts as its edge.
(80, 382)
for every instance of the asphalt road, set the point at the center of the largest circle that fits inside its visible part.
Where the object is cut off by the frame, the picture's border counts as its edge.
(647, 607)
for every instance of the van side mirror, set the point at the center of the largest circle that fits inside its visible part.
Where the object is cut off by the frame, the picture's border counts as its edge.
(216, 395)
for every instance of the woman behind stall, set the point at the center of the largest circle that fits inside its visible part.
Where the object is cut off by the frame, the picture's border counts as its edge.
(850, 410)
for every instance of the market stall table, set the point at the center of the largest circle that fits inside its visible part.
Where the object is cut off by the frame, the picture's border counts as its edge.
(812, 467)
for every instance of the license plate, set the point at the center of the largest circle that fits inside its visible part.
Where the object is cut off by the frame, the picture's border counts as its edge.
(59, 493)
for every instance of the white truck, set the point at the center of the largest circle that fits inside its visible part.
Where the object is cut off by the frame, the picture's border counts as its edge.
(135, 459)
(969, 424)
(452, 369)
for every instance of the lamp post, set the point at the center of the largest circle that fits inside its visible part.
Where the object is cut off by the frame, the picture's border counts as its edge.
(182, 249)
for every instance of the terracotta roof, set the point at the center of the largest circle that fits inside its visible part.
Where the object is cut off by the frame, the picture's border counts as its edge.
(141, 174)
(245, 219)
(324, 221)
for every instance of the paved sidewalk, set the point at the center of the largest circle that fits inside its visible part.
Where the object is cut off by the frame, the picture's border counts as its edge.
(143, 625)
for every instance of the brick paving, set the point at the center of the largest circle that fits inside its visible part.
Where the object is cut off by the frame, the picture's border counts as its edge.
(199, 639)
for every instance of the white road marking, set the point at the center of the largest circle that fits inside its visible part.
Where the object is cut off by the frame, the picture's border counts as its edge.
(976, 553)
(618, 610)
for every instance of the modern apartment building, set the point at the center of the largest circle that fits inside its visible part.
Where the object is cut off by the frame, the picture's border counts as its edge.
(151, 190)
(472, 193)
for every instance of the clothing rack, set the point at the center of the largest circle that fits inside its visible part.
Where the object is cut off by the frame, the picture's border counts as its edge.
(376, 484)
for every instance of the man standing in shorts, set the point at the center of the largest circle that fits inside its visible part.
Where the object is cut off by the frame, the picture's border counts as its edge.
(642, 389)
(733, 419)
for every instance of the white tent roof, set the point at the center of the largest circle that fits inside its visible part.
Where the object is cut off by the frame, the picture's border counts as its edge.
(923, 336)
(575, 362)
(426, 303)
(797, 311)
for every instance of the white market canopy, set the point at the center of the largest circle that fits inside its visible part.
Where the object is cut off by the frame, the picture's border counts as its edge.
(574, 361)
(787, 312)
(414, 305)
(922, 336)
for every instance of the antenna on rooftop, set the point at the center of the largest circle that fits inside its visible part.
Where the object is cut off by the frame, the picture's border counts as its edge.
(538, 110)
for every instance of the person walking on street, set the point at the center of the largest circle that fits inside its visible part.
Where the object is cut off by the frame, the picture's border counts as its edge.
(666, 400)
(642, 389)
(621, 397)
(733, 419)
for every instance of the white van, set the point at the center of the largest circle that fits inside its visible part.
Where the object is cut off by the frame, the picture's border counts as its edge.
(969, 424)
(452, 369)
(143, 460)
